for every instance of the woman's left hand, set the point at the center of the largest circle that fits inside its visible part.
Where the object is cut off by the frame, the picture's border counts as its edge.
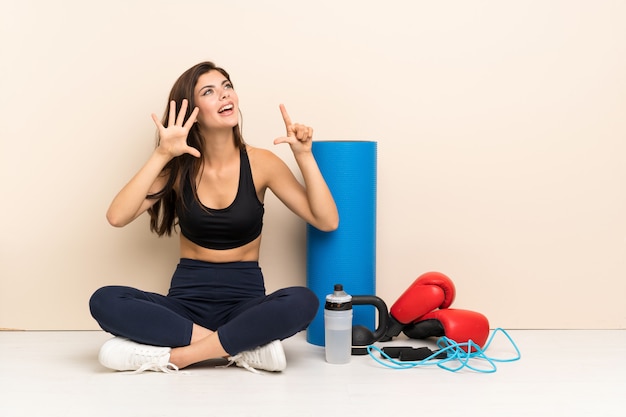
(299, 137)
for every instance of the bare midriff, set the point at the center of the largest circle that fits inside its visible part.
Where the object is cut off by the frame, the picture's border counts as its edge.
(248, 252)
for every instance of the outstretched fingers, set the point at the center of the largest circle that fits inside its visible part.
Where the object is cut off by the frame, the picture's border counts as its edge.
(181, 114)
(192, 118)
(177, 120)
(173, 138)
(171, 121)
(156, 121)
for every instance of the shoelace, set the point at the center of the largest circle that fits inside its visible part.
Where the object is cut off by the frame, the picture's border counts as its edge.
(150, 362)
(240, 361)
(168, 368)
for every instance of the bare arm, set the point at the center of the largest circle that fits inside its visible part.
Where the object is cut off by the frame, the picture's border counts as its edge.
(313, 202)
(131, 201)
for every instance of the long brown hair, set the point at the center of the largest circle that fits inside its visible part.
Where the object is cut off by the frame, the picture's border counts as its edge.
(184, 168)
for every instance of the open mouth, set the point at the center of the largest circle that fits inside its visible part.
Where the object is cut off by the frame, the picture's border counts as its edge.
(225, 108)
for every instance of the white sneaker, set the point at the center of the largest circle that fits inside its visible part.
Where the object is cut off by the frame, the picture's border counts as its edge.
(270, 357)
(125, 355)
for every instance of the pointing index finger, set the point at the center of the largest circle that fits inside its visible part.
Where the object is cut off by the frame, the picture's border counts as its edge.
(286, 117)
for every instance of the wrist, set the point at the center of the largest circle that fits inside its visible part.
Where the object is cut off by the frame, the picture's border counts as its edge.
(161, 155)
(306, 153)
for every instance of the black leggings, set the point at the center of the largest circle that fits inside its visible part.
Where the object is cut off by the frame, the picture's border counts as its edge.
(225, 297)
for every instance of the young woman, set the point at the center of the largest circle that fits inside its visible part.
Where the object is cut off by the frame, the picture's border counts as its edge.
(203, 178)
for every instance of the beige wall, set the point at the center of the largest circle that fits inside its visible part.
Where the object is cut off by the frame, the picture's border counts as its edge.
(501, 130)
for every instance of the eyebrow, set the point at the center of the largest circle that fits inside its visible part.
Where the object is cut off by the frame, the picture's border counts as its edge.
(226, 81)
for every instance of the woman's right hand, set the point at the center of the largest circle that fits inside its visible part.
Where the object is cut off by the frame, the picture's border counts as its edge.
(173, 138)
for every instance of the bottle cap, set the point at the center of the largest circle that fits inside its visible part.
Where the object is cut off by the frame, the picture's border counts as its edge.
(339, 299)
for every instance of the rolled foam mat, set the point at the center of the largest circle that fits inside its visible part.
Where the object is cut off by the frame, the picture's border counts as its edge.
(347, 255)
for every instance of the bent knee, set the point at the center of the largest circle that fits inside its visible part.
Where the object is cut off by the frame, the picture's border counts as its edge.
(307, 302)
(102, 299)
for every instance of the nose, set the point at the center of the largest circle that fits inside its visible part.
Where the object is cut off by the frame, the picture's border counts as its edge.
(225, 94)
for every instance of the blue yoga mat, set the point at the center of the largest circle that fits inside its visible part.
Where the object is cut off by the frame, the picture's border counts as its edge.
(347, 255)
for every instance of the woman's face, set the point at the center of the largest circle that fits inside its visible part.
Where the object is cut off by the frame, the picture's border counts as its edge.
(217, 101)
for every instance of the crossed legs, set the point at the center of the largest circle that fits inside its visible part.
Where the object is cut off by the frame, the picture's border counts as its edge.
(157, 320)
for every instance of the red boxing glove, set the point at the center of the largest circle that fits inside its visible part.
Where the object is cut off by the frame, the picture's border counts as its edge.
(458, 325)
(428, 292)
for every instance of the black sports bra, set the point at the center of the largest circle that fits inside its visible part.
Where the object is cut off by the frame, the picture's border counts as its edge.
(226, 228)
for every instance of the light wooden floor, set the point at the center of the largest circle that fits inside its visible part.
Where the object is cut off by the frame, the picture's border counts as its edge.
(561, 373)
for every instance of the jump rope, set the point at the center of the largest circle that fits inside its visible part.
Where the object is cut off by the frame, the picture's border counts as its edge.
(451, 356)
